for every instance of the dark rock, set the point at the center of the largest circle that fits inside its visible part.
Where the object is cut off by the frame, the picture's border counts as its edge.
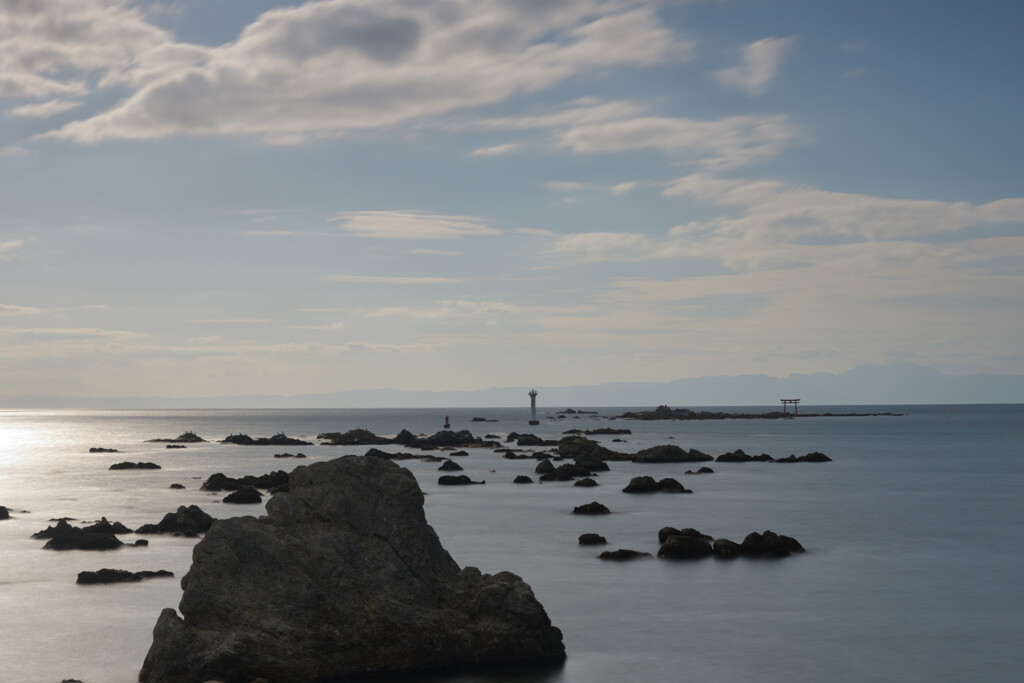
(586, 482)
(459, 453)
(135, 466)
(4, 513)
(726, 549)
(684, 548)
(702, 470)
(670, 485)
(591, 462)
(670, 453)
(481, 419)
(189, 520)
(456, 480)
(450, 466)
(244, 496)
(667, 532)
(592, 539)
(176, 486)
(593, 508)
(185, 437)
(120, 576)
(103, 450)
(141, 542)
(289, 455)
(342, 579)
(642, 484)
(63, 536)
(175, 445)
(522, 479)
(607, 431)
(544, 467)
(378, 453)
(739, 456)
(622, 554)
(575, 446)
(404, 438)
(810, 457)
(769, 544)
(532, 440)
(272, 481)
(278, 439)
(356, 437)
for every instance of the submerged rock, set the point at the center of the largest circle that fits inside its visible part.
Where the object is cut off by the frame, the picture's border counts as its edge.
(342, 578)
(622, 554)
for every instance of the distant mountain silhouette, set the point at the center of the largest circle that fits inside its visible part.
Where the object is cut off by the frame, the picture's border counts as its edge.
(893, 384)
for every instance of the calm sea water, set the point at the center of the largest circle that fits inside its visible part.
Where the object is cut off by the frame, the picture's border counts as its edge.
(913, 571)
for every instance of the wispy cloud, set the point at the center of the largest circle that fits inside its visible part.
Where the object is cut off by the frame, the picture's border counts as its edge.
(496, 150)
(623, 188)
(759, 65)
(8, 248)
(592, 126)
(565, 186)
(391, 280)
(8, 309)
(443, 310)
(44, 109)
(412, 225)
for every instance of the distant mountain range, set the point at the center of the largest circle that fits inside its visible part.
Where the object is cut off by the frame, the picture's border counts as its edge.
(894, 384)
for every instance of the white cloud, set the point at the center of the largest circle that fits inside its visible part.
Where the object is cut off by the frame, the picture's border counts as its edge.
(605, 246)
(591, 126)
(8, 309)
(565, 186)
(44, 109)
(331, 66)
(759, 65)
(623, 188)
(8, 248)
(412, 225)
(391, 280)
(496, 150)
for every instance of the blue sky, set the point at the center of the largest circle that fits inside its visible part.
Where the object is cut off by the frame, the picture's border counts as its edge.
(217, 197)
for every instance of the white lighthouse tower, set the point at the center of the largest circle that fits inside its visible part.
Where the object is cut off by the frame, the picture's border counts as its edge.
(533, 407)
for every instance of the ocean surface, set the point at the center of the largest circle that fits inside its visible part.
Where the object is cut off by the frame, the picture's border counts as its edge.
(914, 568)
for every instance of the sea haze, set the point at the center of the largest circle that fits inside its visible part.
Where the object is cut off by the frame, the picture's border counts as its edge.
(912, 571)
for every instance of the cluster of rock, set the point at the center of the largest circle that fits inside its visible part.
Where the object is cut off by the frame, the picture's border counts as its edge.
(98, 536)
(685, 544)
(666, 413)
(120, 576)
(273, 482)
(279, 439)
(342, 578)
(184, 437)
(739, 456)
(100, 449)
(447, 438)
(456, 480)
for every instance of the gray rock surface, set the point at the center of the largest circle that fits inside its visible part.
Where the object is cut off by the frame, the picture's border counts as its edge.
(343, 577)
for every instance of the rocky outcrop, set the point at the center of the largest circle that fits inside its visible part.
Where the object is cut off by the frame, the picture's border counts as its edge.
(100, 449)
(279, 439)
(98, 536)
(646, 484)
(186, 521)
(739, 456)
(810, 457)
(685, 548)
(120, 576)
(622, 554)
(342, 578)
(271, 481)
(184, 437)
(246, 495)
(450, 466)
(522, 479)
(769, 544)
(592, 539)
(593, 508)
(355, 437)
(134, 466)
(670, 453)
(575, 446)
(586, 482)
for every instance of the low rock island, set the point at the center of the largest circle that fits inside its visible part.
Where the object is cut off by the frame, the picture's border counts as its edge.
(342, 578)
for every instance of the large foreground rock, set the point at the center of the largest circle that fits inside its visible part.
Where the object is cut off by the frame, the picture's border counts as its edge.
(344, 577)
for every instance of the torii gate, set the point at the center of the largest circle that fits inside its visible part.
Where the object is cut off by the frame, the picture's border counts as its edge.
(787, 401)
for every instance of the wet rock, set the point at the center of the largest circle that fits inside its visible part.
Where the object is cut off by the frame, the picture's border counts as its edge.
(666, 532)
(591, 462)
(244, 496)
(279, 439)
(726, 549)
(586, 482)
(544, 467)
(5, 513)
(593, 508)
(522, 479)
(135, 466)
(575, 446)
(646, 484)
(63, 536)
(622, 554)
(810, 457)
(592, 539)
(357, 437)
(103, 450)
(685, 548)
(188, 521)
(120, 576)
(342, 579)
(769, 544)
(739, 456)
(450, 466)
(670, 453)
(289, 455)
(271, 481)
(176, 486)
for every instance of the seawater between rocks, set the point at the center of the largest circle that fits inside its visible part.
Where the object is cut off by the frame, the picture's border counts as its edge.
(912, 571)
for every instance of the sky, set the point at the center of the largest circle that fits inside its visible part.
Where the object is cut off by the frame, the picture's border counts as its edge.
(228, 197)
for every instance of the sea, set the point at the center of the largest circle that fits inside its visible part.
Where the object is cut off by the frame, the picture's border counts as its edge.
(914, 569)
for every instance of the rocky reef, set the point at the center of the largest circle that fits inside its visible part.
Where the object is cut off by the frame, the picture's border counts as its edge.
(343, 578)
